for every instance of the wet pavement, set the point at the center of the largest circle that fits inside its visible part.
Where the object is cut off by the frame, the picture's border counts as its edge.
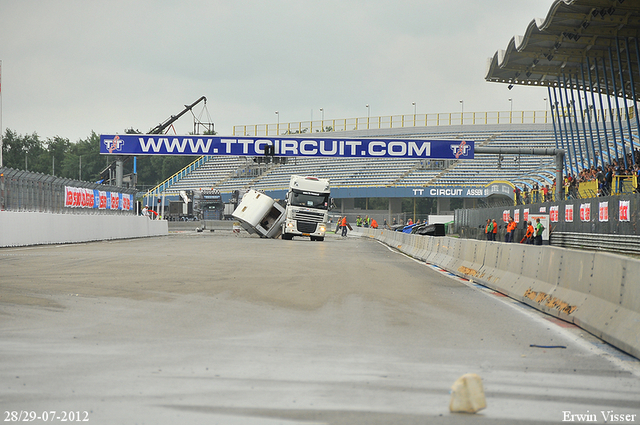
(213, 328)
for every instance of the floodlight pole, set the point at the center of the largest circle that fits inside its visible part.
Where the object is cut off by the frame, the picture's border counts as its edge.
(558, 153)
(414, 113)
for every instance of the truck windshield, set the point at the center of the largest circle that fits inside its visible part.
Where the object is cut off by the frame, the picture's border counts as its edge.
(301, 198)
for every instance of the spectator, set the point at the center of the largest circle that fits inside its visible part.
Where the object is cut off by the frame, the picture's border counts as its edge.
(573, 188)
(488, 230)
(608, 178)
(538, 232)
(546, 194)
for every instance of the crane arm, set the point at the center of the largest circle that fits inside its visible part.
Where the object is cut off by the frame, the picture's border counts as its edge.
(161, 127)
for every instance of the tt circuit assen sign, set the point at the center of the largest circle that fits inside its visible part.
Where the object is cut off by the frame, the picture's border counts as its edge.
(144, 144)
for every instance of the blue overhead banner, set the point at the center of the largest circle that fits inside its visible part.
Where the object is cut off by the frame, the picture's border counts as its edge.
(145, 144)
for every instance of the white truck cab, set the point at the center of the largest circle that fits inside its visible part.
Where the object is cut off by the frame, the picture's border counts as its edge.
(307, 210)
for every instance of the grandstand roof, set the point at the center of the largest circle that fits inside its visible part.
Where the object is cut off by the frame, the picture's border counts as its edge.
(573, 32)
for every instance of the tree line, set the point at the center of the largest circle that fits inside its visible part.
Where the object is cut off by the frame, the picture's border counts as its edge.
(81, 160)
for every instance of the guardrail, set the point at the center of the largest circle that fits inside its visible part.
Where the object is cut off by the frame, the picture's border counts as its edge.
(603, 215)
(625, 244)
(395, 121)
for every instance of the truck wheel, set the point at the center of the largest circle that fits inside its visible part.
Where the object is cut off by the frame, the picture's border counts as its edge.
(287, 237)
(320, 238)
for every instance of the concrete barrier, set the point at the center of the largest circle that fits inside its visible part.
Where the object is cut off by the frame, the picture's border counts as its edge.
(35, 228)
(597, 291)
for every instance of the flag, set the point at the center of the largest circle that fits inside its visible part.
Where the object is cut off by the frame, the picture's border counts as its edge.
(568, 213)
(585, 212)
(623, 214)
(603, 211)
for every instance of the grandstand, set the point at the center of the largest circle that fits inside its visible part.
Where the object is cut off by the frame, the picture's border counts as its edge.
(227, 174)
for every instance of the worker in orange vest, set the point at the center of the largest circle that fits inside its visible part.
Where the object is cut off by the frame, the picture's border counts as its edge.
(511, 227)
(494, 230)
(488, 230)
(343, 224)
(528, 237)
(374, 223)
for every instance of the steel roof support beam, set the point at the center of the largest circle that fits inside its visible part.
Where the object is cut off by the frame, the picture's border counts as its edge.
(557, 153)
(593, 103)
(633, 91)
(566, 129)
(584, 128)
(608, 93)
(615, 93)
(635, 103)
(589, 108)
(574, 156)
(577, 132)
(604, 120)
(553, 117)
(555, 100)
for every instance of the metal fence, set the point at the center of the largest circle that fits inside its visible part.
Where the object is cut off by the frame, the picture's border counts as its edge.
(28, 191)
(594, 231)
(420, 120)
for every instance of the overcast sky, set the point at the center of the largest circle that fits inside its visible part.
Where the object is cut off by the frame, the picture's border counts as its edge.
(70, 67)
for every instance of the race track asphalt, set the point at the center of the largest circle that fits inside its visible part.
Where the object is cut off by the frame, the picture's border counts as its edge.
(214, 328)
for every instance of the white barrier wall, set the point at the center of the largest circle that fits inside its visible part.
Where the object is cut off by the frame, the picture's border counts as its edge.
(599, 292)
(35, 228)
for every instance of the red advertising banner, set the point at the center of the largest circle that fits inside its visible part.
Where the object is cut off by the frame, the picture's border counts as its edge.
(624, 210)
(585, 212)
(568, 213)
(603, 211)
(80, 197)
(115, 200)
(554, 213)
(102, 203)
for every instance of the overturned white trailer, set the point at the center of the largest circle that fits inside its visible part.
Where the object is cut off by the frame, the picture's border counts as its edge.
(260, 214)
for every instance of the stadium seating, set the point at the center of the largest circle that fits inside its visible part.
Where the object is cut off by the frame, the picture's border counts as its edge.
(227, 173)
